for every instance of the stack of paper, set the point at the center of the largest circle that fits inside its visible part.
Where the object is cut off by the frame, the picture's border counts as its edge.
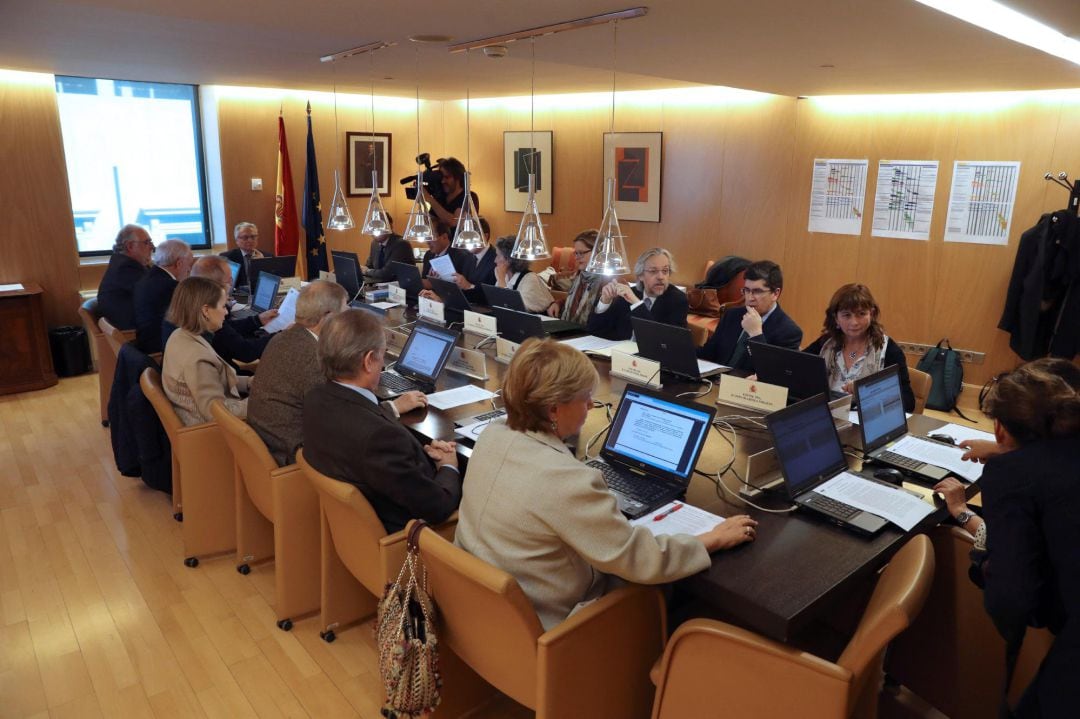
(450, 398)
(678, 518)
(893, 504)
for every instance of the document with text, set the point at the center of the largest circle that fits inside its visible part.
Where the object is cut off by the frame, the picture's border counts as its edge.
(466, 394)
(896, 505)
(939, 455)
(286, 313)
(678, 518)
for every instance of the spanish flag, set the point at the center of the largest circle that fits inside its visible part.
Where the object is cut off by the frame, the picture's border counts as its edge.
(286, 226)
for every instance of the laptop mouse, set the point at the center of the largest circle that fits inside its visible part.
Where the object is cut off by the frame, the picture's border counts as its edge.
(943, 438)
(892, 476)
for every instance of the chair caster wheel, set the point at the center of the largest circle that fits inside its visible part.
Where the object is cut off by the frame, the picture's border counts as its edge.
(191, 562)
(285, 625)
(179, 516)
(244, 569)
(104, 423)
(328, 636)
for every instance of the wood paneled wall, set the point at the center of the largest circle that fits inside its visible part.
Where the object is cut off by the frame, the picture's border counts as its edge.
(37, 232)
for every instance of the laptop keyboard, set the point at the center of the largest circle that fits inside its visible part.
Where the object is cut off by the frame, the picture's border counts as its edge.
(901, 460)
(488, 416)
(396, 383)
(641, 490)
(830, 506)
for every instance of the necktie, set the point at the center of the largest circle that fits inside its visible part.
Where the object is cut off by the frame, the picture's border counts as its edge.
(381, 260)
(247, 270)
(739, 351)
(648, 303)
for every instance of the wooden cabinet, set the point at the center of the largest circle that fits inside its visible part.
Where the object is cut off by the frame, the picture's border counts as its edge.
(25, 361)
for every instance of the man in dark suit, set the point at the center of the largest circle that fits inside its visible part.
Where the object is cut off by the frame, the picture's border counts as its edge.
(760, 320)
(130, 259)
(384, 250)
(652, 298)
(484, 271)
(463, 260)
(350, 437)
(246, 235)
(172, 263)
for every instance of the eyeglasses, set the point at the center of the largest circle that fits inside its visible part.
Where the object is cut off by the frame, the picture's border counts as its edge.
(248, 237)
(986, 388)
(147, 241)
(755, 291)
(655, 272)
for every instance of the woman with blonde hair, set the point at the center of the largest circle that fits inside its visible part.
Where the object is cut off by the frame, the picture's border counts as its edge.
(854, 343)
(193, 374)
(532, 509)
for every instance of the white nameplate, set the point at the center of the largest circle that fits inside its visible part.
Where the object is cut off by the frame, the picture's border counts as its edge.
(468, 362)
(289, 283)
(636, 369)
(432, 310)
(759, 396)
(397, 294)
(330, 276)
(480, 324)
(505, 350)
(395, 342)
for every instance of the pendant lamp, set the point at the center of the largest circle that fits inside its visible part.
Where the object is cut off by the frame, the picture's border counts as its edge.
(338, 217)
(468, 235)
(419, 229)
(530, 243)
(375, 223)
(608, 257)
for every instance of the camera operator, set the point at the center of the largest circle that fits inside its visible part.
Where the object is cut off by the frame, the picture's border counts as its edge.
(453, 183)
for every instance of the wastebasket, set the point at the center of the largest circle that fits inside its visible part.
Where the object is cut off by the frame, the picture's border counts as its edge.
(70, 351)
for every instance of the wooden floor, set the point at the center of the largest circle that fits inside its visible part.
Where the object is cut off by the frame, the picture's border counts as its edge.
(100, 618)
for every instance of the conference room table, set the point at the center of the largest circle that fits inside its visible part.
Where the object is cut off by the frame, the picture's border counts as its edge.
(798, 572)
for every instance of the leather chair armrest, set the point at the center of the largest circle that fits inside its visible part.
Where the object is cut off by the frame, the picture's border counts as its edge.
(612, 643)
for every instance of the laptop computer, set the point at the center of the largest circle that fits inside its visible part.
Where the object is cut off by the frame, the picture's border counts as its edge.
(673, 348)
(451, 295)
(234, 268)
(284, 266)
(263, 298)
(347, 273)
(804, 374)
(421, 361)
(408, 278)
(511, 300)
(644, 468)
(809, 452)
(518, 326)
(882, 422)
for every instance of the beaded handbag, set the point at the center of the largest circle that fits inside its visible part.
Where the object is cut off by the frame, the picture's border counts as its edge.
(405, 636)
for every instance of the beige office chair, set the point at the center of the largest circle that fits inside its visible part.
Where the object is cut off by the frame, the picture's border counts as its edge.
(277, 517)
(920, 387)
(202, 469)
(952, 656)
(103, 355)
(594, 664)
(115, 338)
(358, 557)
(710, 664)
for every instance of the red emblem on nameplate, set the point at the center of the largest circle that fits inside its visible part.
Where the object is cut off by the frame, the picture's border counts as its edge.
(753, 388)
(633, 363)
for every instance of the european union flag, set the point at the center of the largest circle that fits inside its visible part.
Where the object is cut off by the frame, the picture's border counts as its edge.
(312, 217)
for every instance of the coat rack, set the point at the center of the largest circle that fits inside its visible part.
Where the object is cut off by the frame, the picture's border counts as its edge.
(1062, 178)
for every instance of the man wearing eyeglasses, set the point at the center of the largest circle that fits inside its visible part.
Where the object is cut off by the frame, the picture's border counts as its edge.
(760, 320)
(130, 260)
(652, 298)
(246, 235)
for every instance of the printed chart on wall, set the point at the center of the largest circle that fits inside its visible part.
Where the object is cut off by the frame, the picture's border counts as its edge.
(904, 199)
(837, 196)
(981, 202)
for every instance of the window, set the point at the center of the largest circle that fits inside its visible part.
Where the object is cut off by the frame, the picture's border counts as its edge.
(134, 156)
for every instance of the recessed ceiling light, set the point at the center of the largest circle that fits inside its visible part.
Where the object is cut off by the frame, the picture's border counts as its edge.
(1004, 21)
(388, 78)
(430, 39)
(826, 67)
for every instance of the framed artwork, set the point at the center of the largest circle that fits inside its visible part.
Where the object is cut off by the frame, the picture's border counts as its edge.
(521, 152)
(366, 152)
(634, 160)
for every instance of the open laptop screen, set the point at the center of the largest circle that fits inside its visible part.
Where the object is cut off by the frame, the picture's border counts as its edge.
(807, 445)
(881, 408)
(234, 268)
(426, 351)
(658, 433)
(347, 273)
(265, 291)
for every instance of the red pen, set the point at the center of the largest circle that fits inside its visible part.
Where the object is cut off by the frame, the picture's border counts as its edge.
(660, 516)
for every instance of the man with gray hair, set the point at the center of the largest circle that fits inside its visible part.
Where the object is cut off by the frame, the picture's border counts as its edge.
(116, 293)
(246, 235)
(349, 436)
(652, 298)
(153, 292)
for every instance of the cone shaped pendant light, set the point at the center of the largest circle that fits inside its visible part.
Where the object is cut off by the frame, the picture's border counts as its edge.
(530, 243)
(468, 235)
(418, 228)
(339, 217)
(375, 218)
(609, 253)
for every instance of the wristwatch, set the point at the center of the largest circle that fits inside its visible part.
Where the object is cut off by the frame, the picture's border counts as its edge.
(964, 517)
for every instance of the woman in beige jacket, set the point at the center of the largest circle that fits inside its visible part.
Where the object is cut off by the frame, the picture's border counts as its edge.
(193, 374)
(532, 509)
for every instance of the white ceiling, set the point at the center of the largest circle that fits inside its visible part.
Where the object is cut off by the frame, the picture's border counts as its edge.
(777, 46)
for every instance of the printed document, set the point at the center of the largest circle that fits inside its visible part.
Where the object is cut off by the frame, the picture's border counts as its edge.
(286, 313)
(960, 433)
(443, 266)
(687, 519)
(895, 505)
(450, 398)
(939, 455)
(591, 343)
